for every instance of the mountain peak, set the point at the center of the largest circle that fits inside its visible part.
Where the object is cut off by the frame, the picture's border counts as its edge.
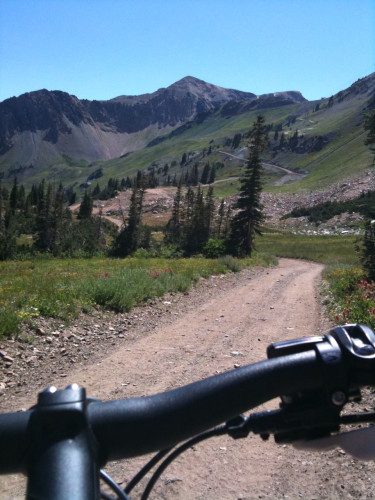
(208, 91)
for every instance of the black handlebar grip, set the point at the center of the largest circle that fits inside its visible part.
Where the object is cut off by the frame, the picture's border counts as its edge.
(132, 427)
(14, 442)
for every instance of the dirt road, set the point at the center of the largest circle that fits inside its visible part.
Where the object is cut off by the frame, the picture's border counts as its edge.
(224, 323)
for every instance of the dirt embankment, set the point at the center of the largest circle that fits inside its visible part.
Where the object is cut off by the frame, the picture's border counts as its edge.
(227, 321)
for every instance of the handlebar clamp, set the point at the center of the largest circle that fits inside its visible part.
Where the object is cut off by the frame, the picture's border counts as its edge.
(347, 357)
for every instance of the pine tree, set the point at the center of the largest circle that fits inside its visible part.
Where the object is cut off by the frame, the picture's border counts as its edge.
(133, 235)
(212, 176)
(13, 199)
(193, 181)
(86, 206)
(370, 128)
(221, 217)
(209, 213)
(1, 204)
(368, 242)
(173, 229)
(194, 228)
(96, 190)
(246, 222)
(58, 228)
(236, 141)
(368, 250)
(205, 173)
(8, 242)
(44, 223)
(183, 159)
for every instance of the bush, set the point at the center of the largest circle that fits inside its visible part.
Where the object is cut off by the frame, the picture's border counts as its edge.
(9, 323)
(367, 250)
(353, 297)
(231, 263)
(120, 292)
(165, 252)
(343, 280)
(214, 248)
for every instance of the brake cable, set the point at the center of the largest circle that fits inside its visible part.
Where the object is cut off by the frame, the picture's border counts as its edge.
(217, 431)
(114, 486)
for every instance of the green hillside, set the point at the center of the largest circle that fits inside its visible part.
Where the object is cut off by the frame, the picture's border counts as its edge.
(323, 144)
(338, 120)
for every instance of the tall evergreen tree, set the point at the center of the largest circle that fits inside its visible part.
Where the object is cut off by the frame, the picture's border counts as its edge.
(13, 199)
(173, 229)
(133, 235)
(370, 128)
(368, 243)
(194, 175)
(44, 223)
(246, 222)
(221, 217)
(86, 206)
(205, 173)
(209, 213)
(57, 222)
(1, 204)
(212, 175)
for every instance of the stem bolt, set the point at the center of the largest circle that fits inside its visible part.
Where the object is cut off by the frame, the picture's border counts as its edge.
(338, 398)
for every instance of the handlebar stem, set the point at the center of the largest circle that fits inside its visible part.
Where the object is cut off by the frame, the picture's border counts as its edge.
(62, 444)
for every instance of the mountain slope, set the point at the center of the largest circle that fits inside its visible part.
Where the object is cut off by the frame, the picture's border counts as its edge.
(59, 137)
(323, 142)
(37, 128)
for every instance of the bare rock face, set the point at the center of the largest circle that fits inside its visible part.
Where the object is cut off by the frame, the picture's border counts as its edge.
(36, 128)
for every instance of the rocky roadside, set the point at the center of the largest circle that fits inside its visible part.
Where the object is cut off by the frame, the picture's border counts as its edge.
(278, 204)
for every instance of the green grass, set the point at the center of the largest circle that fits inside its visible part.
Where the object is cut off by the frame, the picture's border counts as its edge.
(64, 288)
(329, 250)
(225, 188)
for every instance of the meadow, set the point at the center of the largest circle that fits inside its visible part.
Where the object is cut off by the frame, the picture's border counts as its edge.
(330, 250)
(63, 288)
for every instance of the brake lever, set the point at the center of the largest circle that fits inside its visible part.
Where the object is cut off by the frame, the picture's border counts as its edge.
(359, 443)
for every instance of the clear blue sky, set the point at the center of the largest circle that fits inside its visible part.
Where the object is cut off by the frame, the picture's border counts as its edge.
(99, 49)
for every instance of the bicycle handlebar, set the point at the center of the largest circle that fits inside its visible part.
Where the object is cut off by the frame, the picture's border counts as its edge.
(326, 370)
(130, 427)
(171, 417)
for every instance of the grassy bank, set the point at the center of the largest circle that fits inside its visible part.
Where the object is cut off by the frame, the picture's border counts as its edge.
(64, 288)
(329, 250)
(350, 297)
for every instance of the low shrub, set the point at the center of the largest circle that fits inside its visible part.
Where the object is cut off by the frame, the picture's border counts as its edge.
(353, 297)
(9, 322)
(231, 263)
(214, 248)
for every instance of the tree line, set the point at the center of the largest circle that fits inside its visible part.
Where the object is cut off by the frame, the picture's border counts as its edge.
(197, 224)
